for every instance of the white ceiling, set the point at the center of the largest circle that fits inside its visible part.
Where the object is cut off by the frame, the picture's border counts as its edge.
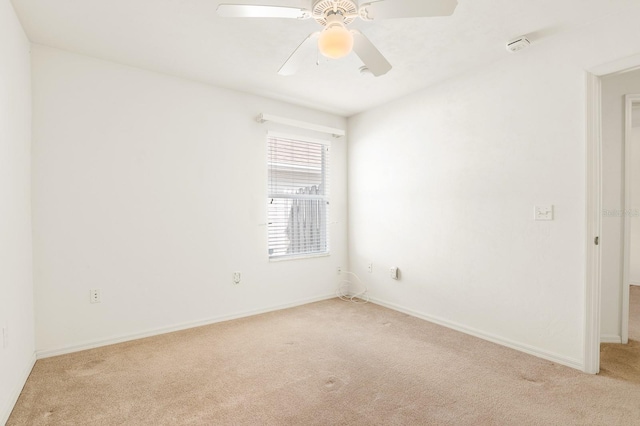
(185, 38)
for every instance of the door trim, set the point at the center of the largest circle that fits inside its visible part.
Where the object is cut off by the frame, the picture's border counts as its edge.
(593, 219)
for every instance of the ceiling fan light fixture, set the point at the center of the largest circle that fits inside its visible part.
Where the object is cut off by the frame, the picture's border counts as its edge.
(335, 41)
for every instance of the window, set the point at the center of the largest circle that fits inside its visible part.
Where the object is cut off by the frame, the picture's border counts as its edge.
(298, 196)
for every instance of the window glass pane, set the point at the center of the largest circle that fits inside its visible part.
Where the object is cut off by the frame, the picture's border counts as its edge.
(298, 197)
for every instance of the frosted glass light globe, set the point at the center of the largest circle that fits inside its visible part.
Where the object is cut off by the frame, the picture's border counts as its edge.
(335, 42)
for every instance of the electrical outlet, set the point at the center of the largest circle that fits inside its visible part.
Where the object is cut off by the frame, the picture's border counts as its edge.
(94, 295)
(5, 337)
(339, 270)
(237, 277)
(370, 267)
(393, 272)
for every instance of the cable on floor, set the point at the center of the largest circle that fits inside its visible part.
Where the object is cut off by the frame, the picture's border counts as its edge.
(344, 287)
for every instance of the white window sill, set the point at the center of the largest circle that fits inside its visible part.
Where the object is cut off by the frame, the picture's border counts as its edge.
(297, 257)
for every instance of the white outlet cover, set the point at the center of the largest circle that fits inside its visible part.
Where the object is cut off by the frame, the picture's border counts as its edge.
(543, 212)
(393, 272)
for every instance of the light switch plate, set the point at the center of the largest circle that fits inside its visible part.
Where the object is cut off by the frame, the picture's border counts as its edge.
(543, 212)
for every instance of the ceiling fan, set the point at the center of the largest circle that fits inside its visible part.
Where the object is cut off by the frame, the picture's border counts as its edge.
(335, 40)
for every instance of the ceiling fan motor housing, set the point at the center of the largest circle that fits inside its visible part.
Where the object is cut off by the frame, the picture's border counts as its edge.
(323, 8)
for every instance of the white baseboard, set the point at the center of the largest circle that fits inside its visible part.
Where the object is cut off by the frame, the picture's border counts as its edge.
(46, 353)
(610, 338)
(6, 411)
(531, 350)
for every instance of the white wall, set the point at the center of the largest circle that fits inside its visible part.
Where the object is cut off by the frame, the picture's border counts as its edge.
(443, 185)
(153, 189)
(634, 252)
(614, 88)
(16, 284)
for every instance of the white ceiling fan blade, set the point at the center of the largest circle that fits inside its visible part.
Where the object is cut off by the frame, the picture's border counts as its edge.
(300, 55)
(257, 11)
(370, 55)
(391, 9)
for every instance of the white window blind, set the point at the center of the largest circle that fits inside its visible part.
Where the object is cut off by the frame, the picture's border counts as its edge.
(298, 196)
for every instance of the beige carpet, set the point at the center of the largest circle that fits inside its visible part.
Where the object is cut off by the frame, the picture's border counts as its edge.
(623, 361)
(328, 363)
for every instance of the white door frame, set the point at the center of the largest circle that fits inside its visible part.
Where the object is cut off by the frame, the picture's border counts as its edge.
(624, 323)
(593, 219)
(593, 284)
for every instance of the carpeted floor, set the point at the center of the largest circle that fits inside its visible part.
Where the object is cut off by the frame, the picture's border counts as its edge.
(328, 363)
(623, 361)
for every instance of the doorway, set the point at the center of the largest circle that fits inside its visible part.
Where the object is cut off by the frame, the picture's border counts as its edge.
(620, 231)
(598, 258)
(631, 260)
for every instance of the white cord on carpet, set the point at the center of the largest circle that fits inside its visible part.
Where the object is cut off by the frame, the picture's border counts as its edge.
(344, 286)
